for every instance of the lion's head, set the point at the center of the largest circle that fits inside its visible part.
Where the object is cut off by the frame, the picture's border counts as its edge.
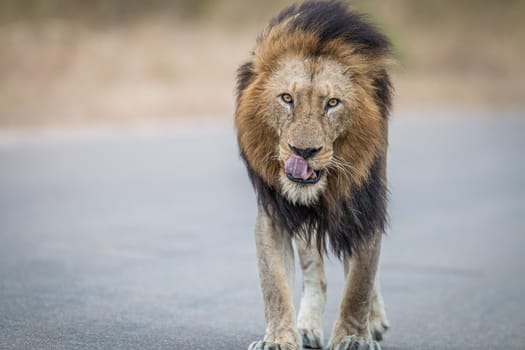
(312, 111)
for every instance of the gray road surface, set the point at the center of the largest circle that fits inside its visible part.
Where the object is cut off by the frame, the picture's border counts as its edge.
(142, 238)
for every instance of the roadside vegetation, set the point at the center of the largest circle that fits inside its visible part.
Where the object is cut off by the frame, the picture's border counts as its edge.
(72, 62)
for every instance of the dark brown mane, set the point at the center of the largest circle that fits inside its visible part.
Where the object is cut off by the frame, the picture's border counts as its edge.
(350, 209)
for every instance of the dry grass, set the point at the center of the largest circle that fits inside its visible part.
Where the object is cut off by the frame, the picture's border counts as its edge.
(56, 73)
(68, 72)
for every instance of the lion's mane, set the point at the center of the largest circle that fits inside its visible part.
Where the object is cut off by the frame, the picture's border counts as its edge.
(351, 209)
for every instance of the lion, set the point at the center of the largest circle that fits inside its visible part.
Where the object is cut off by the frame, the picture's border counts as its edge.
(312, 119)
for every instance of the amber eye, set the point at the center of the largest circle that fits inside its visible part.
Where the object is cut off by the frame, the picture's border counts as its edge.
(287, 98)
(333, 102)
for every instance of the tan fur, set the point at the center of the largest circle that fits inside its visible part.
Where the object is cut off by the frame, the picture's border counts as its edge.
(351, 136)
(354, 313)
(313, 294)
(276, 265)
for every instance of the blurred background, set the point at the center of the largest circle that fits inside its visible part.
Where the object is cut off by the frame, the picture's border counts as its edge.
(67, 62)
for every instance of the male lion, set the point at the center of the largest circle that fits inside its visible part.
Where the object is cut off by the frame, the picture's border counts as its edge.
(311, 118)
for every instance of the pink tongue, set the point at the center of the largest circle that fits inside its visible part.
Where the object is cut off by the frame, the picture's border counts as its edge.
(297, 167)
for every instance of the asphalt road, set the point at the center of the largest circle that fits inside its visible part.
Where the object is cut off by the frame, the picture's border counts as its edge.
(142, 238)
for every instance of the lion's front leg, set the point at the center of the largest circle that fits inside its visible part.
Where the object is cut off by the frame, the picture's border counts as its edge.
(313, 297)
(276, 273)
(352, 328)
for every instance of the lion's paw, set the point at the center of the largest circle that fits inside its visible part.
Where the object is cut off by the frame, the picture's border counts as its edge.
(354, 343)
(378, 328)
(312, 338)
(265, 345)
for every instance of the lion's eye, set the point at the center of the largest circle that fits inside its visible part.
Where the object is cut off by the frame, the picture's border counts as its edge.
(333, 102)
(287, 98)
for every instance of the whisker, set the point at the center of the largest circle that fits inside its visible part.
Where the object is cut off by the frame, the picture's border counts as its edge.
(270, 157)
(346, 170)
(343, 163)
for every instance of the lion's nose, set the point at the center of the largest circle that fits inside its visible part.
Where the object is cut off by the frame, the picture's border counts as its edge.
(305, 152)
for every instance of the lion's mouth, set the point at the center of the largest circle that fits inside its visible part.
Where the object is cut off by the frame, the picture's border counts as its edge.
(297, 170)
(313, 179)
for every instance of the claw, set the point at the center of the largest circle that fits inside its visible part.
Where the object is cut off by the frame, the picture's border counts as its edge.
(264, 345)
(350, 343)
(311, 340)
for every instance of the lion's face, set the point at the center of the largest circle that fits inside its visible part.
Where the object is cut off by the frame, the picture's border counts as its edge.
(306, 107)
(309, 103)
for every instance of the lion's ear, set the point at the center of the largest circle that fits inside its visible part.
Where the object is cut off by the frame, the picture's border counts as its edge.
(245, 75)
